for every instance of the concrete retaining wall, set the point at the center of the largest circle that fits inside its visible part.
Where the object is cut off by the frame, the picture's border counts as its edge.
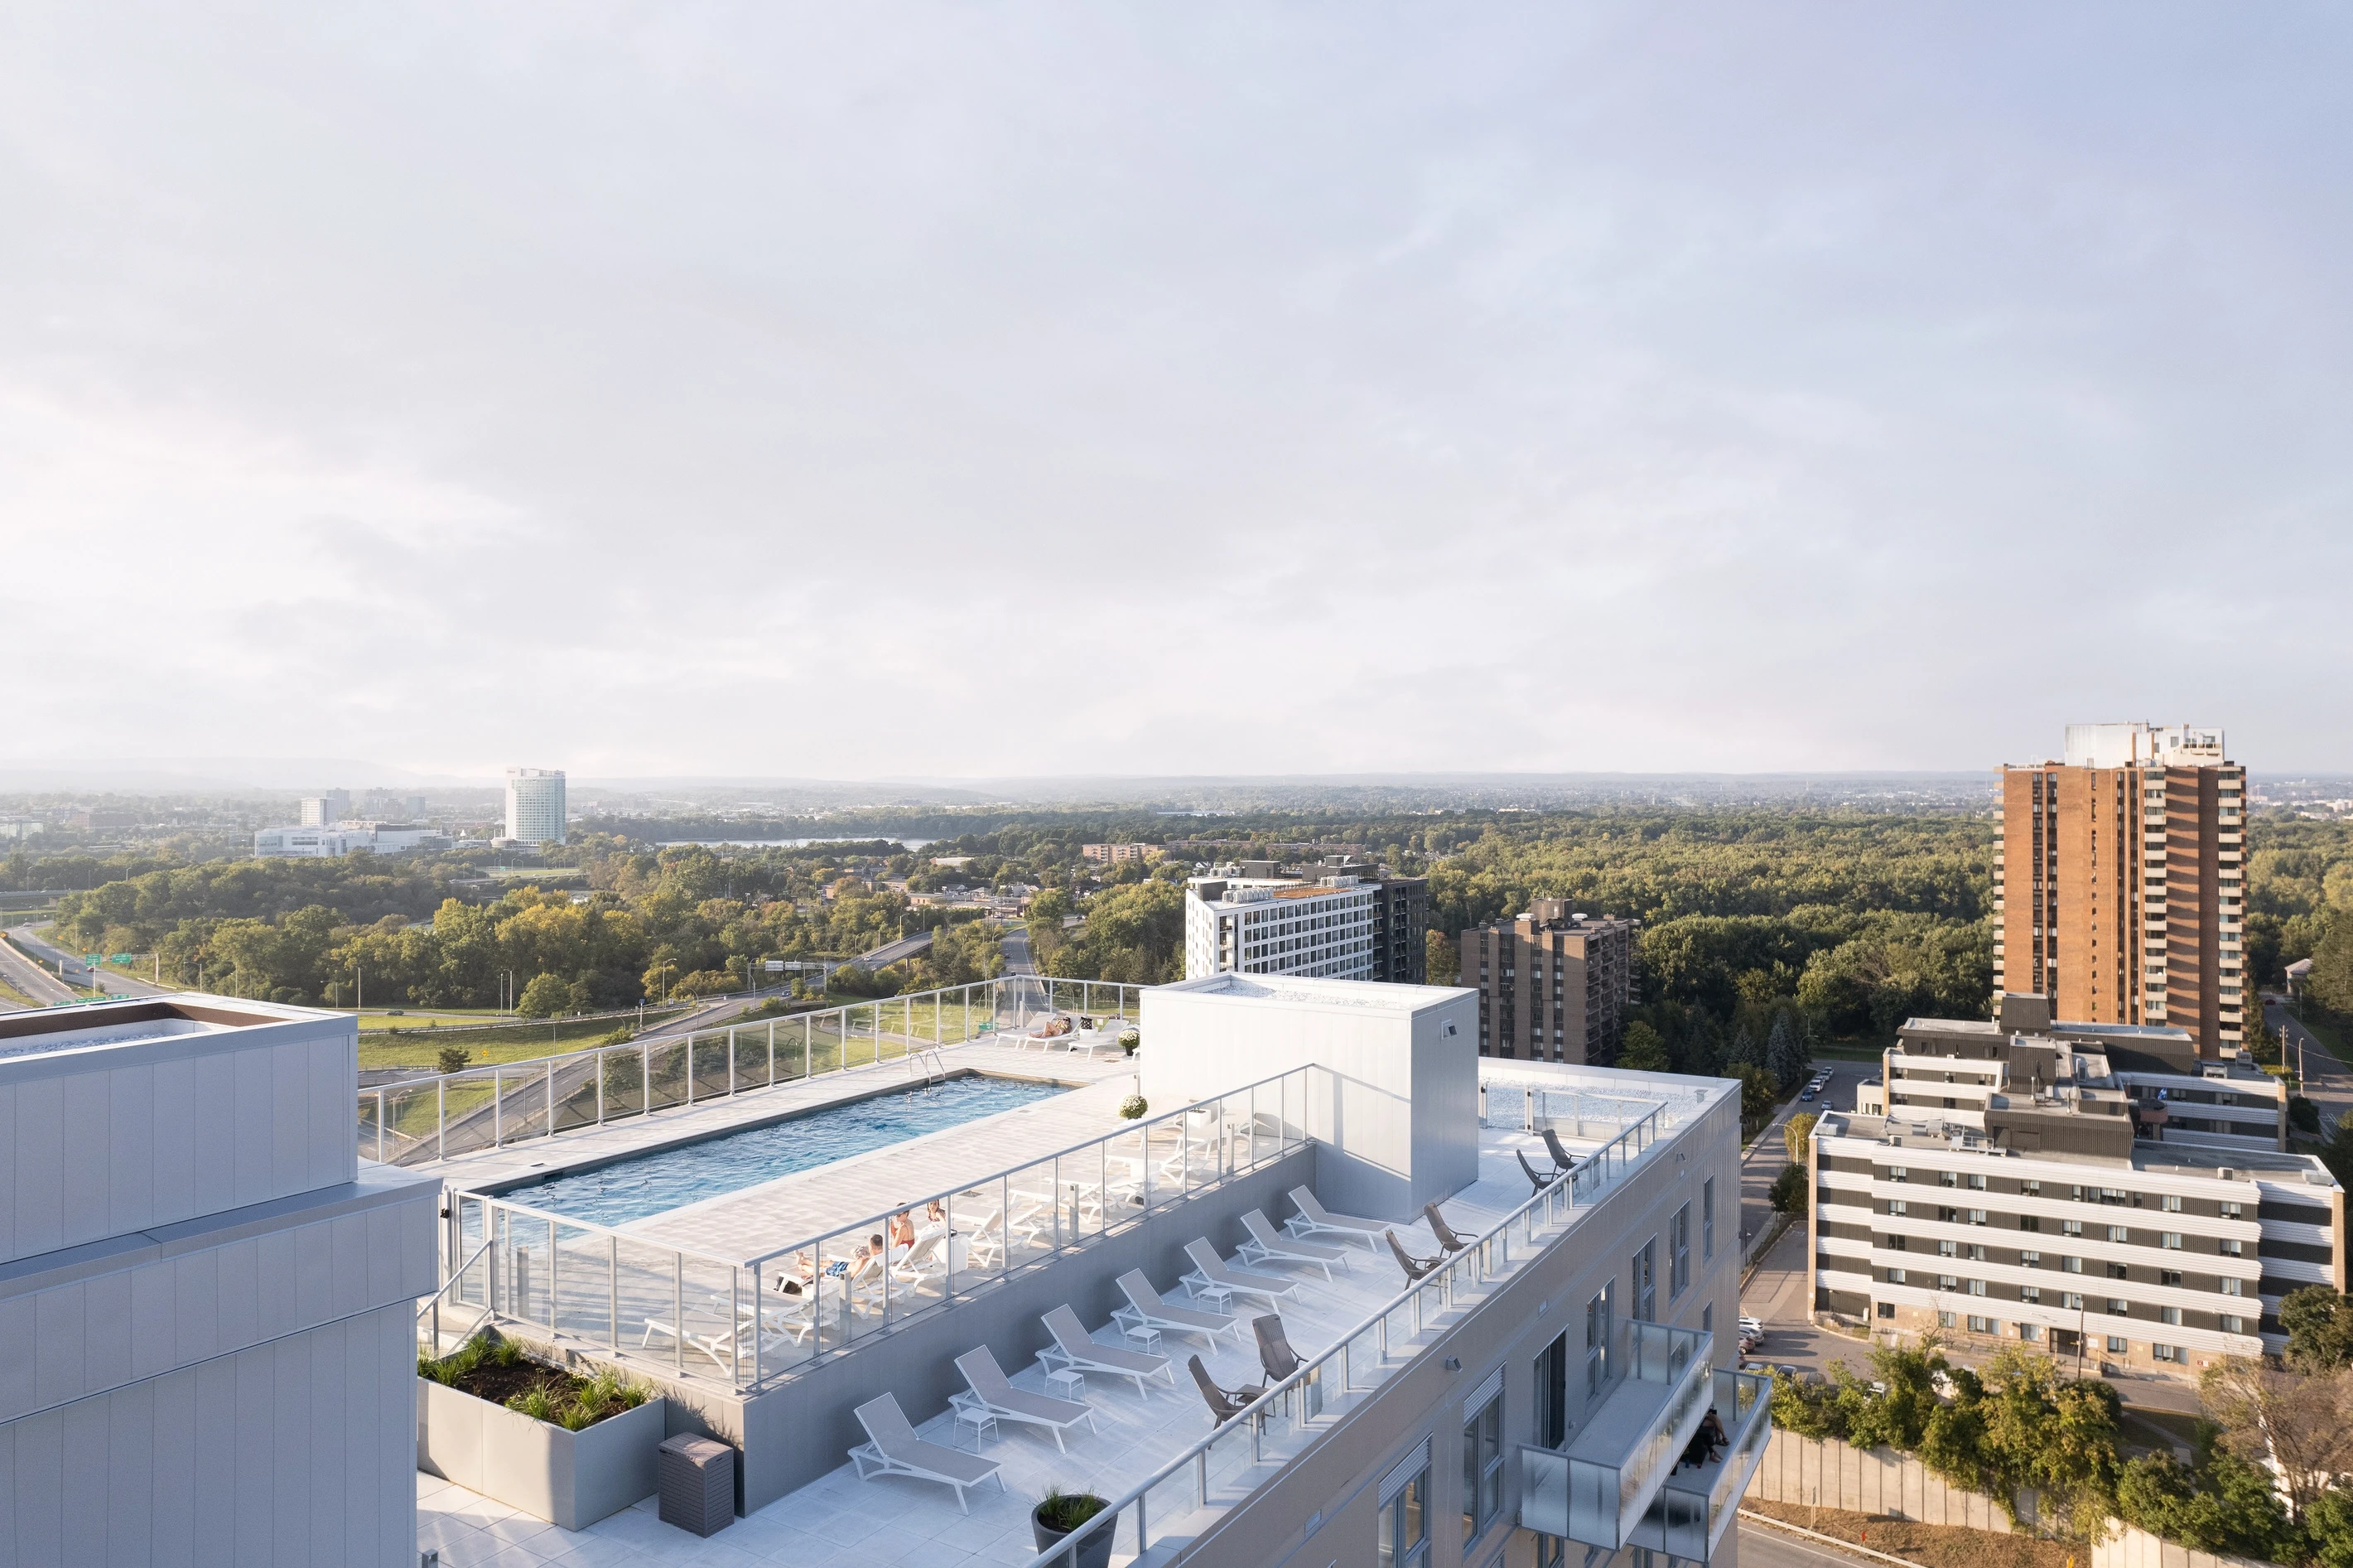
(1828, 1473)
(2130, 1548)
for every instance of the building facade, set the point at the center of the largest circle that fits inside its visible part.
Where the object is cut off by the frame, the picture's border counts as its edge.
(2100, 1190)
(2118, 881)
(1279, 926)
(1554, 986)
(1113, 855)
(1401, 930)
(323, 810)
(351, 838)
(209, 1300)
(535, 805)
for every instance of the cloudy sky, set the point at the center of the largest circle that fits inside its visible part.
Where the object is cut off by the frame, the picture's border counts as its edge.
(847, 391)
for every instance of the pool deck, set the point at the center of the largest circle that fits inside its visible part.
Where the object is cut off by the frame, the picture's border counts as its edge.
(588, 1147)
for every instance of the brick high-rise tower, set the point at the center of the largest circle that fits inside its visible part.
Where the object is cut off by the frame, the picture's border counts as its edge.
(2118, 881)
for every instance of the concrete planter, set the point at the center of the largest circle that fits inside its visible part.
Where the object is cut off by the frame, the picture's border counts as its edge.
(569, 1479)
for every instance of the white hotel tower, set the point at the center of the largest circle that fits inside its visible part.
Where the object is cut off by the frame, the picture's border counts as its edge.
(535, 805)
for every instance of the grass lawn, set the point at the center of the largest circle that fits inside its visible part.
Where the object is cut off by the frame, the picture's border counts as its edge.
(1938, 1545)
(416, 1046)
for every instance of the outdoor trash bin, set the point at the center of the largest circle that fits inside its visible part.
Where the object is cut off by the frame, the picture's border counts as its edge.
(698, 1484)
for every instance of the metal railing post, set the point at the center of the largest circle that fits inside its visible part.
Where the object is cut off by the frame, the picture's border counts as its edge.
(772, 1061)
(497, 1108)
(646, 1072)
(379, 1127)
(600, 1088)
(690, 1071)
(730, 1061)
(613, 1286)
(551, 1276)
(678, 1283)
(551, 1099)
(441, 1118)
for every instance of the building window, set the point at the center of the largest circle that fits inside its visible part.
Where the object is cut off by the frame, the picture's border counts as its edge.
(2071, 1265)
(1895, 1206)
(2071, 1227)
(1405, 1537)
(1898, 1173)
(2119, 1233)
(2115, 1344)
(2030, 1260)
(2029, 1223)
(2168, 1277)
(1943, 1319)
(1707, 1219)
(1949, 1249)
(2230, 1325)
(2170, 1241)
(1679, 1254)
(1948, 1179)
(1976, 1288)
(1894, 1277)
(2166, 1353)
(1482, 1468)
(1980, 1325)
(1599, 1321)
(2169, 1315)
(2031, 1332)
(2118, 1308)
(2030, 1294)
(2231, 1287)
(1977, 1182)
(2069, 1300)
(1644, 1268)
(2230, 1210)
(1708, 1319)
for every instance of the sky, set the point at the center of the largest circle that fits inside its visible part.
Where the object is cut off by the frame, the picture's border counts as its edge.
(893, 390)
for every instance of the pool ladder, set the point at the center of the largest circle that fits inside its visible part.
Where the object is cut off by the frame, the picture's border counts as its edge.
(929, 1064)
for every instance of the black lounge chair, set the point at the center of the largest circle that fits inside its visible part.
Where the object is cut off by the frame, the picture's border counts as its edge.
(1442, 1231)
(1275, 1356)
(1415, 1267)
(1535, 1178)
(1560, 1157)
(1224, 1404)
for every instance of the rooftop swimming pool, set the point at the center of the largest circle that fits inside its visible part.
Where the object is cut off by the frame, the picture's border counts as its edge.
(654, 1183)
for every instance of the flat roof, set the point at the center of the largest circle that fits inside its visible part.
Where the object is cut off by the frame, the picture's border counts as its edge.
(1377, 996)
(108, 1025)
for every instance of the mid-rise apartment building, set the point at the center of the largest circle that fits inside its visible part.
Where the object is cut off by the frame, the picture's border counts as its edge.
(1340, 919)
(2098, 1189)
(1113, 855)
(1279, 926)
(2118, 881)
(1554, 985)
(349, 838)
(535, 805)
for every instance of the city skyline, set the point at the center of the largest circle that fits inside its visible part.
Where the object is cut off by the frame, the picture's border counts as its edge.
(1773, 370)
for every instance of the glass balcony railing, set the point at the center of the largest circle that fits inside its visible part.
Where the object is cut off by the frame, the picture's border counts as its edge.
(1599, 1488)
(1696, 1505)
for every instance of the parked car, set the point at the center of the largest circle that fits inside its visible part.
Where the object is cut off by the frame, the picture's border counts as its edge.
(1806, 1094)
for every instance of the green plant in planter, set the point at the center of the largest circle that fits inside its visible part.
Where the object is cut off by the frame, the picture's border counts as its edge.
(1133, 1107)
(1129, 1039)
(535, 1401)
(1063, 1512)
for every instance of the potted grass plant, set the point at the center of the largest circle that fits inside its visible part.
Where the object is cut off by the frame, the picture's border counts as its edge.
(1062, 1514)
(561, 1447)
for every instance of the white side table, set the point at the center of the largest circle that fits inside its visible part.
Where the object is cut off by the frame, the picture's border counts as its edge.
(970, 1412)
(1214, 1295)
(1066, 1382)
(1143, 1334)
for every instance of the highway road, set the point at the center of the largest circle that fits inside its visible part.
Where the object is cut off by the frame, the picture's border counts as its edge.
(30, 977)
(1017, 952)
(78, 974)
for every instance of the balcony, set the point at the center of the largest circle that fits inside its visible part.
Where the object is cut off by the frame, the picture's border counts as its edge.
(1610, 1486)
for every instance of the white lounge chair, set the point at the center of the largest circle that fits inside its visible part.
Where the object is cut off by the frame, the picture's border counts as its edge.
(893, 1449)
(1076, 1349)
(1314, 1219)
(1145, 1309)
(1210, 1269)
(993, 1395)
(1266, 1245)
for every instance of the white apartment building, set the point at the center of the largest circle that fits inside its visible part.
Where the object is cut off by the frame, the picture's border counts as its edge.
(2092, 1188)
(535, 805)
(1280, 926)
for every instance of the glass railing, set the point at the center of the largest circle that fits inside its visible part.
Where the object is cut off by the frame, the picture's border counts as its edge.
(1694, 1507)
(1222, 1469)
(745, 1321)
(1598, 1498)
(420, 1120)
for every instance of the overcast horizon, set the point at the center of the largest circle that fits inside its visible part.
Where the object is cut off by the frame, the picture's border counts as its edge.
(1039, 392)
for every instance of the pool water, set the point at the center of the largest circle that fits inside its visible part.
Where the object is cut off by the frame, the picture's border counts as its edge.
(654, 1183)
